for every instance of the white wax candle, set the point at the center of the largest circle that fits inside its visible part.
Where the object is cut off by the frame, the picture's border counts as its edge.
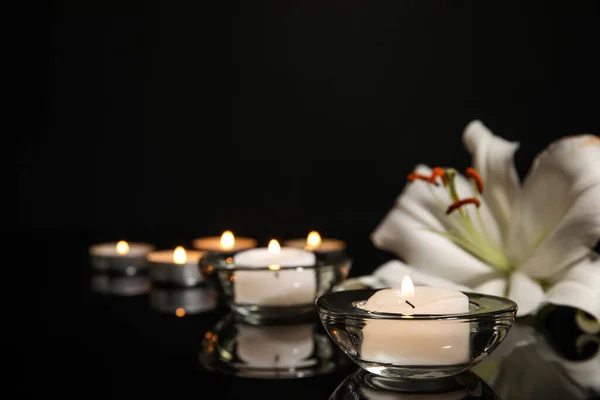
(168, 257)
(275, 347)
(275, 287)
(225, 243)
(315, 243)
(121, 249)
(417, 342)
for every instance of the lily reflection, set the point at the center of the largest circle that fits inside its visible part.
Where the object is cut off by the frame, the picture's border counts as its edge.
(526, 367)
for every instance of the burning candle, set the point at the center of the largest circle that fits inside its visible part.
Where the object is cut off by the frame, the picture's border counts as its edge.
(279, 285)
(124, 257)
(416, 342)
(226, 243)
(313, 242)
(178, 266)
(276, 347)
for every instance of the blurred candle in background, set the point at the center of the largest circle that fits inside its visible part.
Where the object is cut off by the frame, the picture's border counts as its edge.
(313, 242)
(178, 267)
(123, 257)
(226, 243)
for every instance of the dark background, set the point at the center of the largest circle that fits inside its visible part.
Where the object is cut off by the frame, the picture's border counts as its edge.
(169, 120)
(165, 121)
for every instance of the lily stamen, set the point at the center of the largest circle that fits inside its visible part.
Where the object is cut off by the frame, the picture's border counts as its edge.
(459, 203)
(467, 233)
(430, 179)
(439, 172)
(471, 173)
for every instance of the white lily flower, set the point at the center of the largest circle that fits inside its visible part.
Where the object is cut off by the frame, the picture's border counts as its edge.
(485, 231)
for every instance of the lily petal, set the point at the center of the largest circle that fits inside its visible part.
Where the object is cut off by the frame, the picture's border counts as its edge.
(579, 287)
(392, 272)
(556, 218)
(414, 230)
(493, 158)
(360, 282)
(493, 287)
(527, 293)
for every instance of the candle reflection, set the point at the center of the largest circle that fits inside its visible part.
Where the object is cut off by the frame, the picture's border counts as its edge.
(366, 386)
(183, 301)
(289, 350)
(116, 285)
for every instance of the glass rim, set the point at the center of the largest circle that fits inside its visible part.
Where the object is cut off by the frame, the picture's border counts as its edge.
(344, 303)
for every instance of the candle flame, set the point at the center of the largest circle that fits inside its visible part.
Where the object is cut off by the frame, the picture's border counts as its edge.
(407, 289)
(122, 248)
(274, 247)
(313, 239)
(227, 240)
(179, 255)
(180, 312)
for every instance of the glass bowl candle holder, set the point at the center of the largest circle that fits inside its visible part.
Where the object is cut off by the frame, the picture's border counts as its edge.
(415, 347)
(271, 291)
(272, 351)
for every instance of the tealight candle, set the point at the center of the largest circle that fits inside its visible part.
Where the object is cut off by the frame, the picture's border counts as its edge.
(416, 342)
(276, 347)
(178, 266)
(123, 257)
(276, 286)
(227, 243)
(316, 244)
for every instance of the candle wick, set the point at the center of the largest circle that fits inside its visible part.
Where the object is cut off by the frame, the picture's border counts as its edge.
(277, 274)
(276, 358)
(409, 303)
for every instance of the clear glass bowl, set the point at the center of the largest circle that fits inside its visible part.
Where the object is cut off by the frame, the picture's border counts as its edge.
(415, 347)
(273, 351)
(261, 293)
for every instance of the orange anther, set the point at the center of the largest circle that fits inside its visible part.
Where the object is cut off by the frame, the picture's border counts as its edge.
(459, 203)
(472, 174)
(414, 176)
(439, 172)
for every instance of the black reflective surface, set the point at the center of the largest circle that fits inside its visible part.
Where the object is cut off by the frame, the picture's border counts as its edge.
(92, 340)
